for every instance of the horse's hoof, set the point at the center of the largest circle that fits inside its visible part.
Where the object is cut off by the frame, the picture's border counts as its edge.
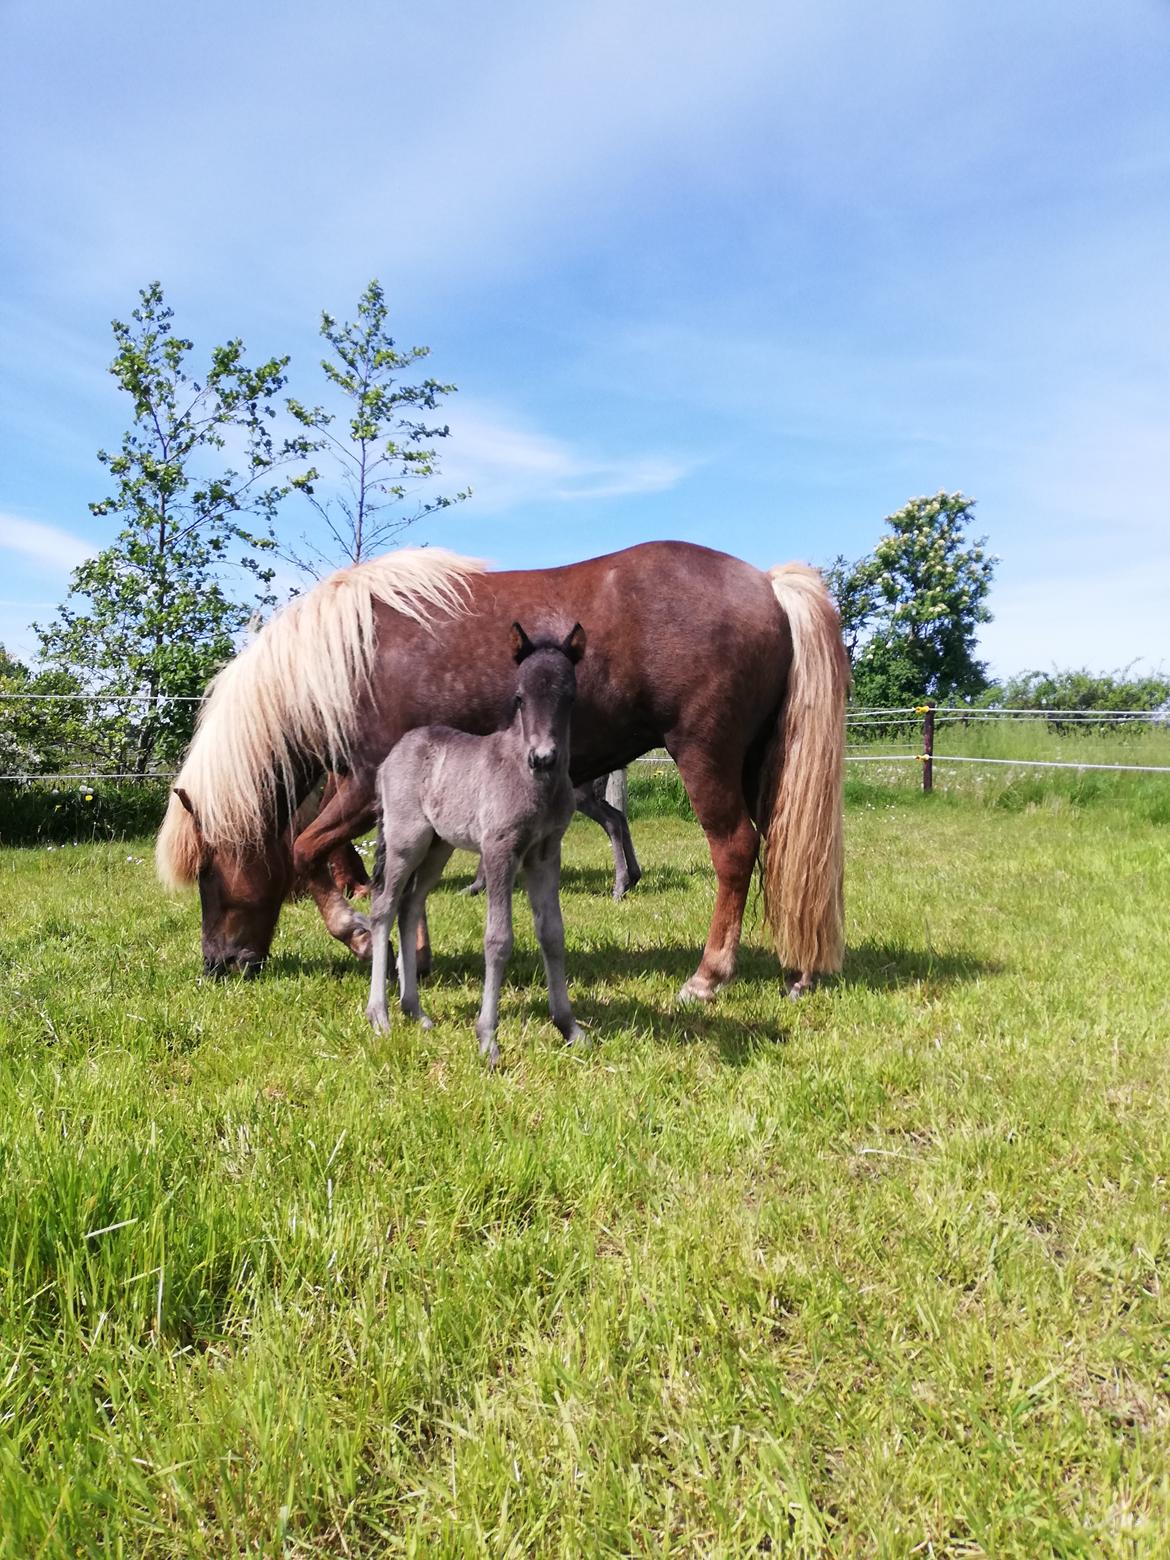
(379, 1020)
(631, 882)
(801, 988)
(361, 945)
(696, 990)
(490, 1050)
(473, 888)
(424, 1022)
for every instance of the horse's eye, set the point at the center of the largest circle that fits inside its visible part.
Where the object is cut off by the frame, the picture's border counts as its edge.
(517, 702)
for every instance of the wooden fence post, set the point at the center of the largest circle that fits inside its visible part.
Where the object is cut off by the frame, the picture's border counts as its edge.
(928, 748)
(616, 790)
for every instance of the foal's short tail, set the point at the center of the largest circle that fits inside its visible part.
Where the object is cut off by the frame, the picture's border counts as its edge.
(801, 813)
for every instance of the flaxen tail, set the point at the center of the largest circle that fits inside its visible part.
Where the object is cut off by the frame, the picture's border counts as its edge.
(804, 860)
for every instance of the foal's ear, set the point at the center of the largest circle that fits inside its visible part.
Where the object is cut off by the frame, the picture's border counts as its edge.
(522, 646)
(574, 645)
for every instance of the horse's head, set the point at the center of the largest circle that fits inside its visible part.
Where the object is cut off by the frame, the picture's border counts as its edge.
(545, 689)
(240, 894)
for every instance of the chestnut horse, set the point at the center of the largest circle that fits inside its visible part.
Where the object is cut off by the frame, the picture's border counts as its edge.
(740, 674)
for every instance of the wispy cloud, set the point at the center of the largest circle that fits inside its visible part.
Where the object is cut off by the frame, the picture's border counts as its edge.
(508, 464)
(47, 545)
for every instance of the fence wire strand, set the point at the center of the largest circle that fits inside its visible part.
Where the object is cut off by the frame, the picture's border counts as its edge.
(903, 748)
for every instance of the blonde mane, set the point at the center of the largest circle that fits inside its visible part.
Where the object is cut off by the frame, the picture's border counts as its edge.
(293, 691)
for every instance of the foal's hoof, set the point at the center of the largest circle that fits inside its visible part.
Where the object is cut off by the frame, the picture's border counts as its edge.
(620, 890)
(801, 987)
(379, 1020)
(473, 888)
(490, 1051)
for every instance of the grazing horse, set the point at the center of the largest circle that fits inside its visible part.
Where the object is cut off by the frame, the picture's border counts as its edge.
(739, 673)
(590, 801)
(508, 796)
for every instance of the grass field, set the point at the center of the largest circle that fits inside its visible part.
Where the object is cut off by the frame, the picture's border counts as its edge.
(881, 1273)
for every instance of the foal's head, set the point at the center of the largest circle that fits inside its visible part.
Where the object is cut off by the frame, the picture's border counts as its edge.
(545, 690)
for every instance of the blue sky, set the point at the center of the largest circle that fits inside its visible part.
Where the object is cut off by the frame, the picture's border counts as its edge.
(750, 274)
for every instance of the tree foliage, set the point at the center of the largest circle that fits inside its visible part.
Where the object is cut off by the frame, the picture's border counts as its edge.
(152, 617)
(1081, 690)
(378, 450)
(853, 587)
(42, 729)
(910, 610)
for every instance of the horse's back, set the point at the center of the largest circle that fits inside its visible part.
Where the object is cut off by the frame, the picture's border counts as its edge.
(677, 635)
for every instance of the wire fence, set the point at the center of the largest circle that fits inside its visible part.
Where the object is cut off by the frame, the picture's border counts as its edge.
(900, 734)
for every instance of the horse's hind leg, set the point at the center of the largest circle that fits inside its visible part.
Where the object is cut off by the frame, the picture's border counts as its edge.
(714, 785)
(542, 879)
(478, 882)
(409, 923)
(500, 871)
(591, 801)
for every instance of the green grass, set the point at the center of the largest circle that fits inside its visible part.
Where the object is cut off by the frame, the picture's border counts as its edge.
(1009, 784)
(881, 1273)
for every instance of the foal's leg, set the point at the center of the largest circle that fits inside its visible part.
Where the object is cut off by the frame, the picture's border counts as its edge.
(626, 871)
(500, 870)
(713, 782)
(409, 921)
(401, 863)
(542, 879)
(478, 882)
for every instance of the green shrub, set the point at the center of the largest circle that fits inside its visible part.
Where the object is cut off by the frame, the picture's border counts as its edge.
(41, 813)
(657, 791)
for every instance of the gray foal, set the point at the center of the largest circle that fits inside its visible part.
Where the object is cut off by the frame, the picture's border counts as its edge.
(508, 796)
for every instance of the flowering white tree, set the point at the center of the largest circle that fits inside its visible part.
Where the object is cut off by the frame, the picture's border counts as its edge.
(931, 582)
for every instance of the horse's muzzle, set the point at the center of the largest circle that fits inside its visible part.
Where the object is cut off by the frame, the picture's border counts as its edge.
(246, 964)
(541, 758)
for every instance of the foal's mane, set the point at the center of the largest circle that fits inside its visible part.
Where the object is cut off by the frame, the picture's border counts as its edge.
(293, 692)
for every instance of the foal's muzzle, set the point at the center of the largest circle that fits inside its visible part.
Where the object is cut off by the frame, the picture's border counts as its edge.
(541, 758)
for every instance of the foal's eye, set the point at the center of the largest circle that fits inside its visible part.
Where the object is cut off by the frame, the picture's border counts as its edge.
(517, 702)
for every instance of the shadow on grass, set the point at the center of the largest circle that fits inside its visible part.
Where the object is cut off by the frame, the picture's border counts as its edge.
(882, 966)
(598, 978)
(593, 880)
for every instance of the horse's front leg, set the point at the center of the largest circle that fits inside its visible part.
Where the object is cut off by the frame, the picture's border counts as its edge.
(500, 872)
(733, 840)
(348, 812)
(542, 880)
(348, 871)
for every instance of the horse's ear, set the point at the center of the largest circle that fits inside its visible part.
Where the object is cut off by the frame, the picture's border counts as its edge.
(574, 645)
(190, 806)
(522, 646)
